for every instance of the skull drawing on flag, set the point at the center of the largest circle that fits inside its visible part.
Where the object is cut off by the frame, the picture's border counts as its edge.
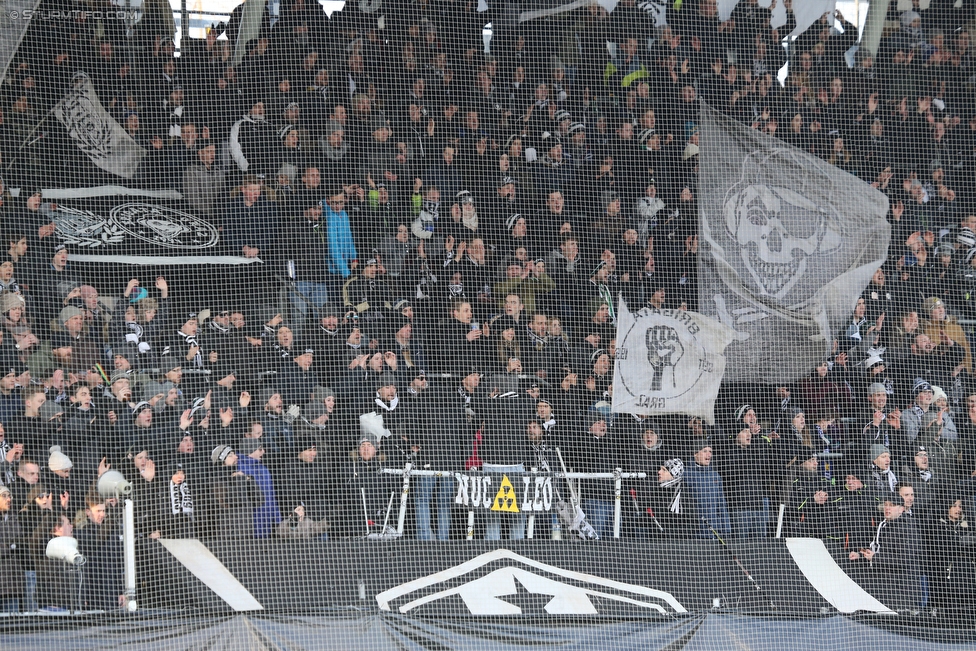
(779, 226)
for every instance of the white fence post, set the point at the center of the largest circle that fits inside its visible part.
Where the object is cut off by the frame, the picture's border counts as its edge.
(616, 501)
(129, 542)
(403, 498)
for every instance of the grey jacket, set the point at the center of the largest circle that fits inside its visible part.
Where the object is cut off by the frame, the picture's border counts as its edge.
(202, 188)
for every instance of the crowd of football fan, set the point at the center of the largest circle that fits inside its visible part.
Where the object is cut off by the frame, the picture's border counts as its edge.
(453, 229)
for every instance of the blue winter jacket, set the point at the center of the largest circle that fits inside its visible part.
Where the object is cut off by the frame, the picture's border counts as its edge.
(342, 248)
(267, 515)
(706, 487)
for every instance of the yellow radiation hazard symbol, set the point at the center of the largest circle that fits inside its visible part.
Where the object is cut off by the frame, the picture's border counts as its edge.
(505, 497)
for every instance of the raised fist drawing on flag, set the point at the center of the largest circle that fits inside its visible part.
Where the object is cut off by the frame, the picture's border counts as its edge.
(663, 350)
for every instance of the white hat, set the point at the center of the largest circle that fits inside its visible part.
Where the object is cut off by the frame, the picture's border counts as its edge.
(58, 460)
(872, 361)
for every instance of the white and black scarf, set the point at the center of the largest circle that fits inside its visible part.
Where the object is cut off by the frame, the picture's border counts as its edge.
(876, 543)
(9, 476)
(134, 329)
(282, 352)
(885, 476)
(191, 341)
(675, 506)
(537, 342)
(387, 407)
(466, 397)
(179, 499)
(432, 210)
(823, 437)
(218, 328)
(470, 221)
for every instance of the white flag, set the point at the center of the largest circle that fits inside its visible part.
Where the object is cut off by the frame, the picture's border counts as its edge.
(14, 21)
(668, 362)
(788, 243)
(544, 8)
(806, 13)
(95, 132)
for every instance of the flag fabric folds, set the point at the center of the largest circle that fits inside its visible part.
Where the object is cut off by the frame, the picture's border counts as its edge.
(788, 244)
(668, 362)
(96, 133)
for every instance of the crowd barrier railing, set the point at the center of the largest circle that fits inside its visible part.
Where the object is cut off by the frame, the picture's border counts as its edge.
(475, 490)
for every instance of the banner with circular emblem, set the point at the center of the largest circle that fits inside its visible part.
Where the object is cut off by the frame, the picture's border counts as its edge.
(115, 224)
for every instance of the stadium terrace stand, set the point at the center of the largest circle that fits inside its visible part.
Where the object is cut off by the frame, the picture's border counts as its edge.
(647, 322)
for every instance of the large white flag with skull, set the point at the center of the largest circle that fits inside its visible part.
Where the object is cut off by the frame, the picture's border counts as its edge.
(668, 362)
(789, 242)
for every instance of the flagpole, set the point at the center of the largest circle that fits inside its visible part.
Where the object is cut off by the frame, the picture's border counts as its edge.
(37, 126)
(27, 140)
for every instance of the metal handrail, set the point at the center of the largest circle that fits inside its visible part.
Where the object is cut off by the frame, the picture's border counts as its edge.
(617, 475)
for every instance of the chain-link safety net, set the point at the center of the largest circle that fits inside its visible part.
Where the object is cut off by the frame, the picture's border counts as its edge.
(485, 324)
